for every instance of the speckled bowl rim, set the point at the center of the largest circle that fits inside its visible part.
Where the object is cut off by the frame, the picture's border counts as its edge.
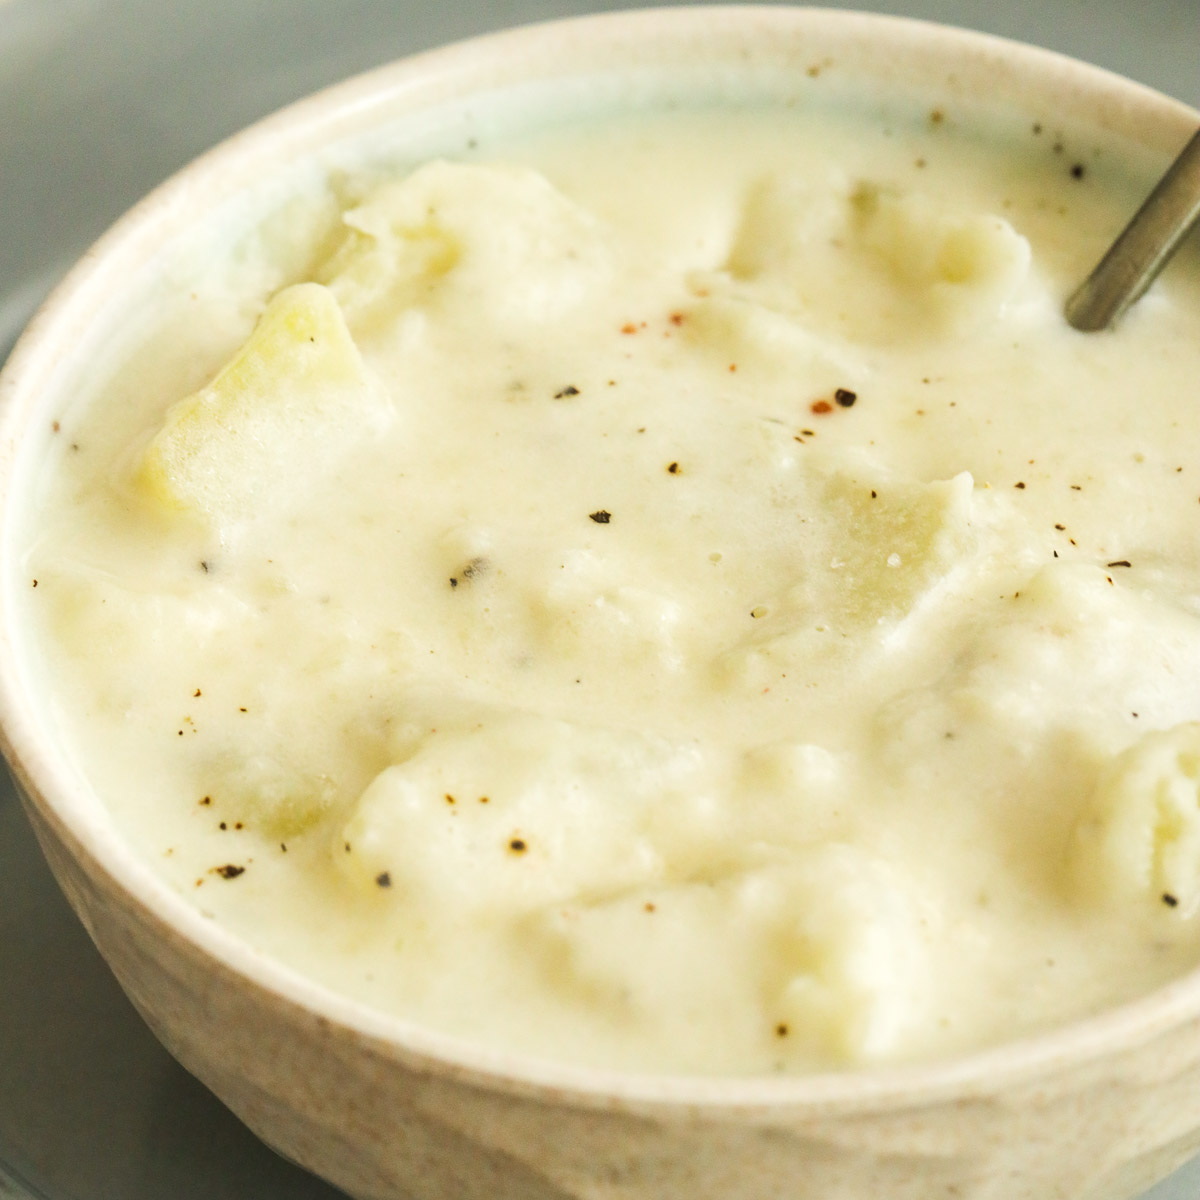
(76, 817)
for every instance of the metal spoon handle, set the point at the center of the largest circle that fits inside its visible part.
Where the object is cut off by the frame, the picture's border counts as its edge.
(1147, 242)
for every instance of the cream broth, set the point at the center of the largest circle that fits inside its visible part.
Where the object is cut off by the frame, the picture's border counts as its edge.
(676, 597)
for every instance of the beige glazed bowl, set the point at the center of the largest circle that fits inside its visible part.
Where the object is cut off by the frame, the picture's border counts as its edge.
(389, 1111)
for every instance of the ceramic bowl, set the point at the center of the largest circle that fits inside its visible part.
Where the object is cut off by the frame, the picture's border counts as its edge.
(389, 1111)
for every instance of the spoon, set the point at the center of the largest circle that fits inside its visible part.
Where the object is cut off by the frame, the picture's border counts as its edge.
(1143, 248)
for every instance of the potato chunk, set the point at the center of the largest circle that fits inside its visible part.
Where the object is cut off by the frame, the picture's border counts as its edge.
(869, 264)
(820, 960)
(484, 246)
(284, 408)
(1140, 834)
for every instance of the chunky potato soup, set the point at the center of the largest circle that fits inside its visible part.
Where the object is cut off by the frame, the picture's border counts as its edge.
(672, 594)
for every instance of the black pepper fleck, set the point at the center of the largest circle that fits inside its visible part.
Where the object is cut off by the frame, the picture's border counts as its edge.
(569, 390)
(1169, 900)
(229, 871)
(518, 846)
(601, 517)
(845, 397)
(384, 879)
(1121, 562)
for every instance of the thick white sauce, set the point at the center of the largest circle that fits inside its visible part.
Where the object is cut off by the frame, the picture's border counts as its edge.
(680, 599)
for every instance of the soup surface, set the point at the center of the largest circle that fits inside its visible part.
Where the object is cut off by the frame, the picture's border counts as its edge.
(672, 594)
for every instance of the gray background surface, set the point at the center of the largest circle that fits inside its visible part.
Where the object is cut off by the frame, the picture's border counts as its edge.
(99, 101)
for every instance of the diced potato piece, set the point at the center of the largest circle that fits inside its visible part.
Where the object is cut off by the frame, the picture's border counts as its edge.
(815, 961)
(501, 241)
(901, 539)
(277, 795)
(1139, 838)
(288, 404)
(1073, 620)
(948, 260)
(871, 265)
(875, 552)
(514, 811)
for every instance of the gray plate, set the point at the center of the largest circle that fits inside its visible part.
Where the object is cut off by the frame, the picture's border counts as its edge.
(99, 101)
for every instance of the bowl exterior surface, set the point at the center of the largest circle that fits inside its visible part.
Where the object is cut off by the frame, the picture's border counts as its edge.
(386, 1122)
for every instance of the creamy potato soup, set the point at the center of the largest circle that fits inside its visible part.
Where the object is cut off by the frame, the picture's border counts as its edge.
(669, 593)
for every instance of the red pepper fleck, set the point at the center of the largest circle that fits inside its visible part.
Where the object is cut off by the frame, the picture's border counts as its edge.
(821, 406)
